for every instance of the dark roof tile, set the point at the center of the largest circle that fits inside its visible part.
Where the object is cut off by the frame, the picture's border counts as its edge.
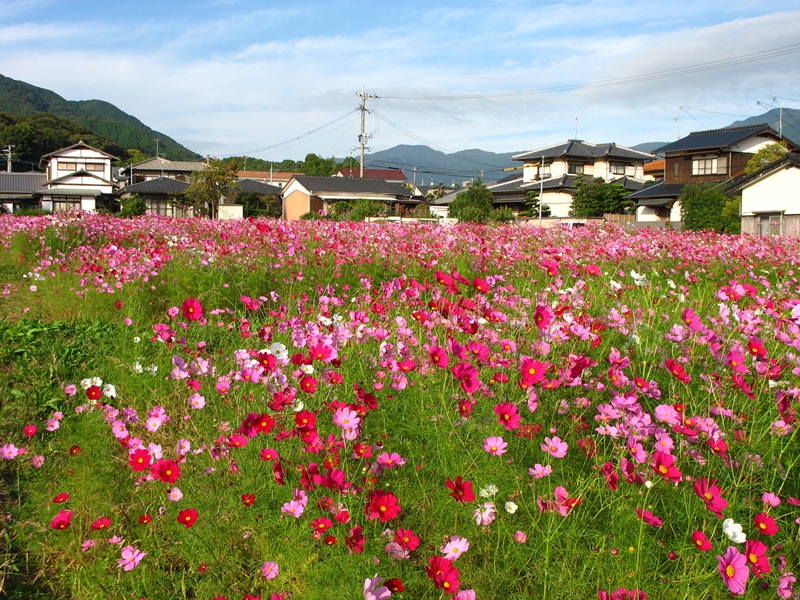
(716, 138)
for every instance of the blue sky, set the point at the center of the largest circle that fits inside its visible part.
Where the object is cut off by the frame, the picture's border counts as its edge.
(279, 79)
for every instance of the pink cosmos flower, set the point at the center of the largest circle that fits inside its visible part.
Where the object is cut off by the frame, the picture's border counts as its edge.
(733, 569)
(521, 537)
(508, 415)
(270, 570)
(455, 547)
(701, 541)
(9, 452)
(346, 418)
(770, 499)
(131, 557)
(197, 401)
(294, 508)
(372, 591)
(555, 447)
(539, 472)
(174, 494)
(485, 513)
(495, 446)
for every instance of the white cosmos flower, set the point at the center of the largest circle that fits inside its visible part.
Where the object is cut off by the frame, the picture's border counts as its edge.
(733, 531)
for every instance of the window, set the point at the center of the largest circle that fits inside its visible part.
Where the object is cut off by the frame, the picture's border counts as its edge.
(66, 203)
(67, 166)
(159, 206)
(574, 168)
(709, 166)
(770, 224)
(676, 168)
(94, 167)
(617, 169)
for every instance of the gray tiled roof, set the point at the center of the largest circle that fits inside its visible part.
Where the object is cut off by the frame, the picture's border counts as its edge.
(347, 185)
(507, 185)
(658, 190)
(21, 183)
(257, 187)
(162, 164)
(787, 160)
(716, 138)
(581, 149)
(81, 144)
(161, 185)
(565, 181)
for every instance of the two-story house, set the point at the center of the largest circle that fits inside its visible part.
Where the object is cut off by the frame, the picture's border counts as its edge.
(77, 178)
(554, 169)
(713, 156)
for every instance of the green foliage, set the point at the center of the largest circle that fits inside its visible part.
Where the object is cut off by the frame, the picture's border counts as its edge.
(96, 119)
(732, 212)
(32, 212)
(595, 197)
(472, 205)
(703, 206)
(322, 167)
(258, 206)
(210, 185)
(765, 156)
(533, 206)
(37, 135)
(365, 208)
(502, 215)
(133, 206)
(315, 216)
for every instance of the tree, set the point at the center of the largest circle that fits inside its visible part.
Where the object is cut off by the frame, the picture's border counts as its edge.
(594, 198)
(765, 156)
(254, 205)
(321, 167)
(472, 205)
(132, 206)
(210, 185)
(533, 206)
(703, 206)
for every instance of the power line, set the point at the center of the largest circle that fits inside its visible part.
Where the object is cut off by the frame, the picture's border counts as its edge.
(299, 137)
(666, 73)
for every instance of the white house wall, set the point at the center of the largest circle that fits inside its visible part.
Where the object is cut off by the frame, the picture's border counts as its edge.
(646, 213)
(559, 203)
(752, 144)
(779, 192)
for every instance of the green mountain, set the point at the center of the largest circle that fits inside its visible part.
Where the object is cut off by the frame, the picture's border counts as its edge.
(101, 118)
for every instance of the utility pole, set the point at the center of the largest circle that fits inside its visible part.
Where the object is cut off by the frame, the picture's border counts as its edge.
(8, 158)
(156, 139)
(541, 189)
(363, 137)
(780, 118)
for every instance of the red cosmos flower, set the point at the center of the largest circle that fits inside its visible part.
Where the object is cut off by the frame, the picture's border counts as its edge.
(279, 473)
(444, 574)
(321, 525)
(678, 371)
(405, 538)
(191, 309)
(308, 384)
(237, 440)
(664, 465)
(62, 497)
(710, 494)
(320, 352)
(531, 372)
(187, 517)
(355, 541)
(508, 415)
(383, 506)
(305, 419)
(93, 392)
(145, 519)
(394, 585)
(30, 430)
(248, 499)
(268, 454)
(330, 540)
(62, 519)
(756, 348)
(543, 316)
(480, 285)
(166, 470)
(264, 424)
(612, 478)
(701, 541)
(439, 357)
(139, 459)
(461, 490)
(766, 524)
(103, 522)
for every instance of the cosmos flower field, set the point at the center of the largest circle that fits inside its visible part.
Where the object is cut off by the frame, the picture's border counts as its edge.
(262, 409)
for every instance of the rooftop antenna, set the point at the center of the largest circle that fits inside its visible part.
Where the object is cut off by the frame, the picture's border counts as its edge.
(576, 128)
(678, 126)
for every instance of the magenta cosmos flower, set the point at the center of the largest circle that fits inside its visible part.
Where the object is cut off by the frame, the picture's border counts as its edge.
(733, 569)
(270, 570)
(495, 445)
(191, 309)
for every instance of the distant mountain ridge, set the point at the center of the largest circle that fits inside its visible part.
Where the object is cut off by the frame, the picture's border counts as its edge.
(23, 99)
